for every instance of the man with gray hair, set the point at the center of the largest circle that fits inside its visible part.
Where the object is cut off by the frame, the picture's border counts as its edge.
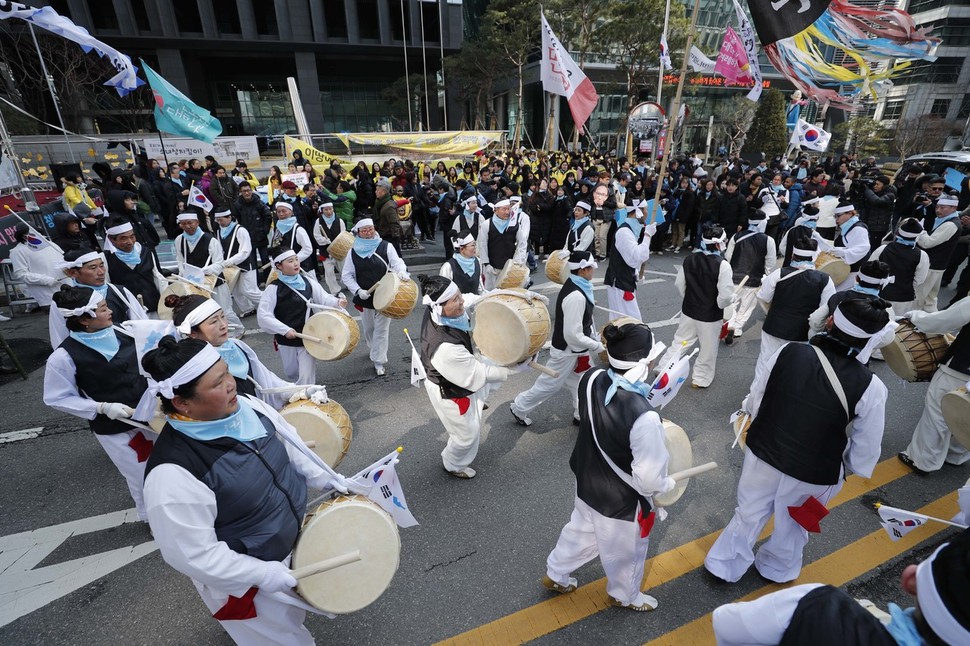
(388, 224)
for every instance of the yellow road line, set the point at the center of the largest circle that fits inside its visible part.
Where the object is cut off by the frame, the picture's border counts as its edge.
(561, 611)
(838, 568)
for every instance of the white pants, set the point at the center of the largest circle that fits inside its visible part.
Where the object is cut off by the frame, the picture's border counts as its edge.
(615, 301)
(545, 386)
(900, 308)
(602, 228)
(376, 328)
(747, 301)
(123, 455)
(246, 292)
(589, 534)
(331, 274)
(928, 291)
(691, 332)
(299, 366)
(769, 345)
(464, 430)
(932, 443)
(224, 298)
(763, 491)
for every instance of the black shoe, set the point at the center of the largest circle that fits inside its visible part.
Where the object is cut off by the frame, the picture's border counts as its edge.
(729, 339)
(9, 370)
(908, 461)
(576, 421)
(247, 314)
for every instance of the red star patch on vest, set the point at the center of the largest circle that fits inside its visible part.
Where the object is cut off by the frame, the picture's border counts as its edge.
(582, 363)
(141, 445)
(645, 522)
(463, 404)
(238, 608)
(809, 513)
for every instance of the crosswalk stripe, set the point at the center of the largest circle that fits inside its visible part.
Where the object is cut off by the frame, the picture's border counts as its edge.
(837, 569)
(561, 611)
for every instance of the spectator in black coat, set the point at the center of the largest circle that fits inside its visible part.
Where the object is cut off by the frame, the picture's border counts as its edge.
(732, 208)
(255, 216)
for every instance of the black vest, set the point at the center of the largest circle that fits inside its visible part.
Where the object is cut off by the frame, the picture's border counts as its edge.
(432, 337)
(794, 301)
(573, 237)
(700, 297)
(940, 254)
(331, 232)
(291, 310)
(260, 496)
(501, 246)
(369, 271)
(596, 483)
(230, 247)
(903, 261)
(802, 431)
(289, 240)
(619, 274)
(958, 356)
(801, 232)
(558, 338)
(826, 615)
(466, 284)
(117, 380)
(748, 258)
(473, 227)
(199, 256)
(840, 242)
(139, 280)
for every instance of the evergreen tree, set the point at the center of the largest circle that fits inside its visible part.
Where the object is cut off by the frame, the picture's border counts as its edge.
(768, 133)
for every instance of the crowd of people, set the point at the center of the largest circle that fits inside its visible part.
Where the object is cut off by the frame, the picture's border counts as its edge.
(224, 485)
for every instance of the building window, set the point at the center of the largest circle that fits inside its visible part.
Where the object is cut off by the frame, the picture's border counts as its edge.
(893, 109)
(368, 25)
(942, 70)
(103, 16)
(264, 12)
(917, 6)
(336, 18)
(940, 108)
(429, 14)
(399, 28)
(955, 32)
(187, 16)
(356, 106)
(227, 16)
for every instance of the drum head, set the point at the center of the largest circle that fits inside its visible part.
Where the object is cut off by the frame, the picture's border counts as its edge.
(837, 269)
(176, 289)
(386, 290)
(557, 266)
(339, 526)
(340, 333)
(512, 276)
(508, 329)
(231, 274)
(341, 245)
(956, 414)
(681, 457)
(158, 421)
(326, 425)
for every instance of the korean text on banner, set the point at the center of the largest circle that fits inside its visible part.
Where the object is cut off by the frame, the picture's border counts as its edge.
(226, 150)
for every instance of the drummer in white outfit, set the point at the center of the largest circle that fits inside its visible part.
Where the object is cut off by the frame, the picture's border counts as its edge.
(464, 267)
(284, 310)
(224, 515)
(237, 248)
(202, 250)
(908, 264)
(582, 233)
(932, 443)
(287, 232)
(470, 218)
(573, 339)
(93, 374)
(752, 253)
(851, 242)
(38, 263)
(503, 237)
(367, 263)
(620, 463)
(939, 244)
(325, 230)
(799, 444)
(631, 248)
(455, 375)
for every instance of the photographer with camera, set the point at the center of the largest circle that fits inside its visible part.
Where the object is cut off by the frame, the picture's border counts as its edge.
(923, 208)
(907, 185)
(879, 198)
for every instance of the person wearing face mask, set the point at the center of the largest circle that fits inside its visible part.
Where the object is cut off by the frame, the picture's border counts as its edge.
(197, 250)
(132, 265)
(325, 230)
(573, 340)
(284, 309)
(464, 267)
(752, 255)
(93, 374)
(455, 376)
(939, 243)
(630, 250)
(908, 264)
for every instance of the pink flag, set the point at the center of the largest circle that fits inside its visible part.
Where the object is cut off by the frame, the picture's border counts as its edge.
(732, 61)
(560, 75)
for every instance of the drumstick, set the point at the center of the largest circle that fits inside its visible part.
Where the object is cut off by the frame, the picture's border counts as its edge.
(737, 436)
(189, 282)
(314, 339)
(693, 471)
(741, 284)
(606, 309)
(535, 365)
(326, 565)
(132, 422)
(282, 389)
(311, 444)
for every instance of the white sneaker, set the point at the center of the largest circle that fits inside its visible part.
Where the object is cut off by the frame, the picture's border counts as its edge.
(4, 318)
(379, 369)
(521, 420)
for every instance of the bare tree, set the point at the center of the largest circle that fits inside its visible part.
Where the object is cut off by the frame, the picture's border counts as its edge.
(733, 119)
(920, 134)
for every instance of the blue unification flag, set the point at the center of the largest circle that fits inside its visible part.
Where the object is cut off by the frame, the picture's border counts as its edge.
(177, 114)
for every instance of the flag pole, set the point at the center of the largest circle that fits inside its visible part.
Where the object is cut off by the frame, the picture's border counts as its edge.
(660, 79)
(407, 79)
(50, 88)
(164, 154)
(879, 505)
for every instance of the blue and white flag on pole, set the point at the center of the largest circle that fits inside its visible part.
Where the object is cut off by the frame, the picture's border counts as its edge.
(177, 114)
(124, 81)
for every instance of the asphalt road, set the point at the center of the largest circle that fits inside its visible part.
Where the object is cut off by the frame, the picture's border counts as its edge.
(472, 567)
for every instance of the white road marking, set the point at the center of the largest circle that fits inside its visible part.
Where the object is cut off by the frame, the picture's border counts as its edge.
(674, 320)
(24, 589)
(16, 436)
(659, 273)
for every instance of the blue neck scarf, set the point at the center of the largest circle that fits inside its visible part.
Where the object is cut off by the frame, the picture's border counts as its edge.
(578, 223)
(906, 241)
(442, 196)
(704, 250)
(872, 291)
(803, 264)
(585, 285)
(902, 626)
(641, 388)
(635, 226)
(328, 221)
(104, 342)
(500, 224)
(811, 224)
(462, 322)
(195, 236)
(130, 258)
(225, 232)
(470, 217)
(243, 425)
(286, 225)
(235, 358)
(467, 264)
(103, 289)
(845, 226)
(365, 247)
(938, 221)
(294, 282)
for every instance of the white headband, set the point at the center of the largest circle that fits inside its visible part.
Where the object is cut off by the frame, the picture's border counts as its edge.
(902, 233)
(882, 282)
(584, 205)
(325, 205)
(118, 230)
(192, 369)
(450, 292)
(223, 214)
(501, 203)
(203, 311)
(804, 253)
(366, 222)
(515, 199)
(839, 210)
(638, 370)
(471, 200)
(948, 200)
(283, 204)
(461, 242)
(583, 264)
(79, 262)
(713, 241)
(847, 326)
(289, 253)
(88, 309)
(185, 217)
(940, 619)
